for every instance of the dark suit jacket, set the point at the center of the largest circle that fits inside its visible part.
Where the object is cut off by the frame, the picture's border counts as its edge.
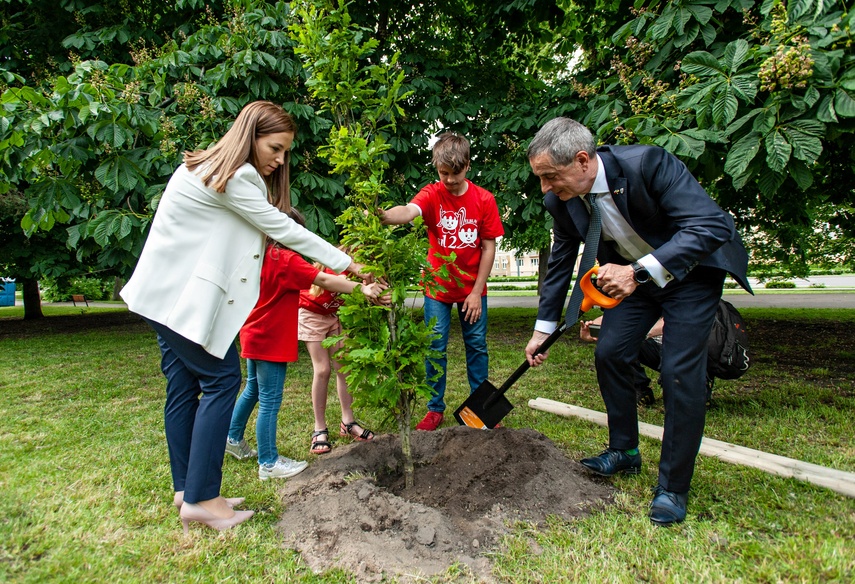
(664, 204)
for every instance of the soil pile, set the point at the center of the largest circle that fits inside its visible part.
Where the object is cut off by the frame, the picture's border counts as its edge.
(350, 509)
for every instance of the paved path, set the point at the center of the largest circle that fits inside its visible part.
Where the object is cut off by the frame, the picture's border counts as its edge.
(839, 292)
(788, 300)
(739, 300)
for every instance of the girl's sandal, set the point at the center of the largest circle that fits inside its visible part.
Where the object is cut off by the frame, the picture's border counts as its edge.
(352, 430)
(320, 446)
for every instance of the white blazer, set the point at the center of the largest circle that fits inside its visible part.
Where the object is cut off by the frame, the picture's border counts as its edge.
(200, 270)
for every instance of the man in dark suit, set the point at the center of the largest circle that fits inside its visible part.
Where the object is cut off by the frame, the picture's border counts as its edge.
(664, 250)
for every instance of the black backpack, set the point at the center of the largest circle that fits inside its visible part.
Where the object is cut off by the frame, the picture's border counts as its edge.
(728, 350)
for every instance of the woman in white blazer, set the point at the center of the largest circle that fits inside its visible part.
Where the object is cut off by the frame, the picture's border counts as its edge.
(197, 280)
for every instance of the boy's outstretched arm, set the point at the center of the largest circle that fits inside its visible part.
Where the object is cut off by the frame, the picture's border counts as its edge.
(399, 215)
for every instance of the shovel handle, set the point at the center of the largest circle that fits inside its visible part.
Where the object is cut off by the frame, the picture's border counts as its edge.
(544, 347)
(592, 297)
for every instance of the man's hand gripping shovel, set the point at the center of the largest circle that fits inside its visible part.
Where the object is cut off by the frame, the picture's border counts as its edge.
(487, 405)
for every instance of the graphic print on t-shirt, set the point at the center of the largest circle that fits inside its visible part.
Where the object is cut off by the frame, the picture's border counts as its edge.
(457, 231)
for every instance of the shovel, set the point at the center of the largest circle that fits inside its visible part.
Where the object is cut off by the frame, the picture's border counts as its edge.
(486, 406)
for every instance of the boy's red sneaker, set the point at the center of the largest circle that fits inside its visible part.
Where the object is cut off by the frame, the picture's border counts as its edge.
(430, 422)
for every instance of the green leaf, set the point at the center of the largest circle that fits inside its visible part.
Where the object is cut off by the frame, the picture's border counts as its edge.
(684, 144)
(716, 137)
(708, 33)
(805, 146)
(742, 153)
(801, 174)
(701, 63)
(769, 182)
(745, 86)
(778, 151)
(126, 225)
(681, 19)
(844, 105)
(825, 110)
(104, 225)
(702, 14)
(662, 27)
(118, 173)
(812, 95)
(735, 54)
(688, 37)
(724, 107)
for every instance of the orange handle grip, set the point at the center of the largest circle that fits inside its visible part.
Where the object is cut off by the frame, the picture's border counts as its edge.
(593, 296)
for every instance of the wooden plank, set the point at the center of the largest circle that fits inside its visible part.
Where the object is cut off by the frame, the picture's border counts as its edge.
(837, 480)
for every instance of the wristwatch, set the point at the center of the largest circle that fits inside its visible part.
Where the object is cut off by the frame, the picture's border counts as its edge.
(642, 276)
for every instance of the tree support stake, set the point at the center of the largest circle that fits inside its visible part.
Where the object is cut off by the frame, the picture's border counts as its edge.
(837, 480)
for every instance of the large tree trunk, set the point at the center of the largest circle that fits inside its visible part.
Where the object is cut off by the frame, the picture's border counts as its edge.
(117, 287)
(541, 267)
(32, 299)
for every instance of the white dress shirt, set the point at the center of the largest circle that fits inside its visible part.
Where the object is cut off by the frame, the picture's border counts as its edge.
(615, 228)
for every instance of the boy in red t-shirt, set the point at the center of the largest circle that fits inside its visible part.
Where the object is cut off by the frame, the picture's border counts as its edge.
(268, 343)
(461, 218)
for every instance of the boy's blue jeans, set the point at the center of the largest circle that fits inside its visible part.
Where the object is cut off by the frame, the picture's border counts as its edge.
(474, 339)
(264, 383)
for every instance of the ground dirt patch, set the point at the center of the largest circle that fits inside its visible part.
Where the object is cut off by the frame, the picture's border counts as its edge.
(350, 509)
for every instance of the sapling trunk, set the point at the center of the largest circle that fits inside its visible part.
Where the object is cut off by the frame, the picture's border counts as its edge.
(404, 410)
(384, 368)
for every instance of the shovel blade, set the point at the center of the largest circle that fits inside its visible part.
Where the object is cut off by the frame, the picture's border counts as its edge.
(484, 408)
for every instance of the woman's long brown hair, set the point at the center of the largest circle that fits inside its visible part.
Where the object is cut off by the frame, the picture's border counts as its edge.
(237, 147)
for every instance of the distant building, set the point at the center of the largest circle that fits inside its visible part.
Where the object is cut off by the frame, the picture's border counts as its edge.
(513, 263)
(508, 263)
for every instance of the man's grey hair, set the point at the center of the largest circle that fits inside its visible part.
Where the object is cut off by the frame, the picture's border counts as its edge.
(562, 139)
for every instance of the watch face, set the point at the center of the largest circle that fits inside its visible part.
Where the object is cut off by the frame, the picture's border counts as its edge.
(642, 276)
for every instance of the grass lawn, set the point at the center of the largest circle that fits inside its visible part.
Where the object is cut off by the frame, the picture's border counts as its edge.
(87, 494)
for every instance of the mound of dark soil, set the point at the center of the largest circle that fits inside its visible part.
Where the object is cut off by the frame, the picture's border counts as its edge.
(350, 509)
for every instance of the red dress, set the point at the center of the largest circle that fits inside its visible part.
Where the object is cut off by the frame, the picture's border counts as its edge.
(270, 331)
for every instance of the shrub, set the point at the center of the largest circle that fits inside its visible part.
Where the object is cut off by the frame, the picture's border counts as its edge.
(61, 291)
(780, 284)
(511, 287)
(731, 285)
(512, 278)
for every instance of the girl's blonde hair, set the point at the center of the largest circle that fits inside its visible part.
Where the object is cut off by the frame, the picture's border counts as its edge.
(316, 290)
(237, 147)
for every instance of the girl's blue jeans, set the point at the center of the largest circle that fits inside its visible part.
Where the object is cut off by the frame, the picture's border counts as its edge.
(264, 383)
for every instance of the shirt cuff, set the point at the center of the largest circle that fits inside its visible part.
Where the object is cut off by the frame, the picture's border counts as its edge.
(545, 326)
(657, 271)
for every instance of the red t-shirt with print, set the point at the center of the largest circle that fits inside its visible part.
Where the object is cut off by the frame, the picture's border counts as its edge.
(270, 331)
(457, 224)
(326, 303)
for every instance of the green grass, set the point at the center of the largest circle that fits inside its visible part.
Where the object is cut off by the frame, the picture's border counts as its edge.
(86, 494)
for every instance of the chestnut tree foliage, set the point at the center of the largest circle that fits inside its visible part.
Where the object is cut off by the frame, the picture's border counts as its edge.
(98, 100)
(758, 98)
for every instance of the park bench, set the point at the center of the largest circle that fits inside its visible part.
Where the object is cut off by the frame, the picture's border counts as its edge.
(75, 298)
